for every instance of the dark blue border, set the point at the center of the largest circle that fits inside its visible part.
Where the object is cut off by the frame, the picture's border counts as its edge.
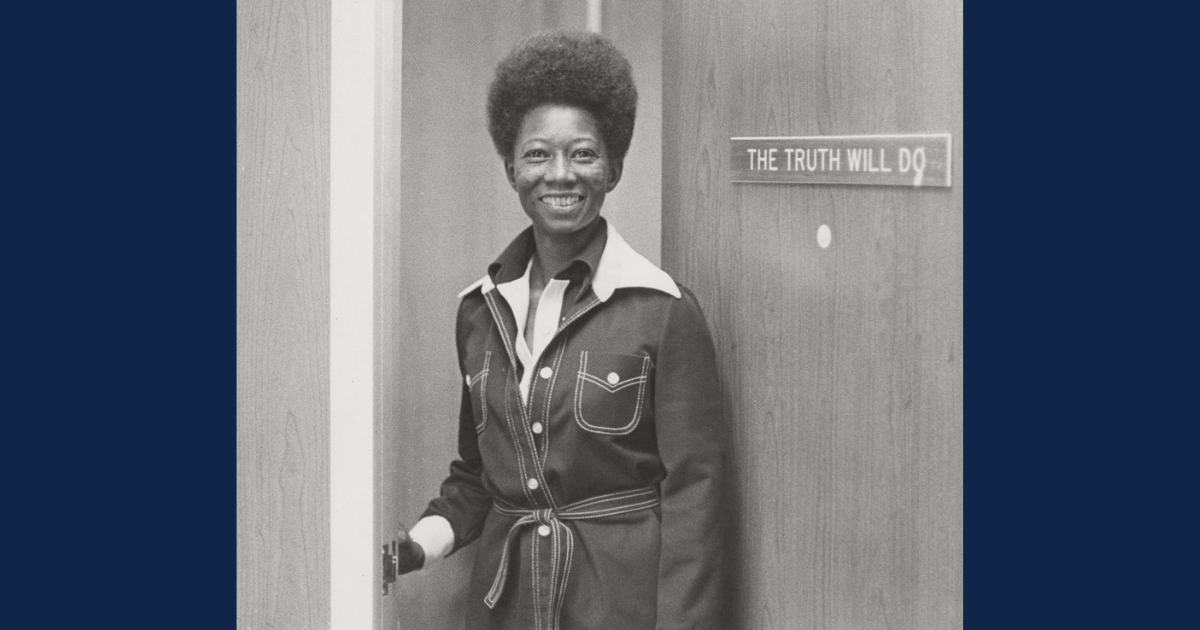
(1079, 316)
(121, 256)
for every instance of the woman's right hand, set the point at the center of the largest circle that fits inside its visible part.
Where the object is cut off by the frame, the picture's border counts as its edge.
(409, 555)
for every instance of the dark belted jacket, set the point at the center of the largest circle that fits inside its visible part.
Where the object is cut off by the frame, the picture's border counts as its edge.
(597, 504)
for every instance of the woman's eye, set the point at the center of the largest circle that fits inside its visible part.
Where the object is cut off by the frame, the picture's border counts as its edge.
(586, 154)
(536, 154)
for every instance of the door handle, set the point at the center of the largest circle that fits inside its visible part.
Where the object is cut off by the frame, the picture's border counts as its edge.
(389, 566)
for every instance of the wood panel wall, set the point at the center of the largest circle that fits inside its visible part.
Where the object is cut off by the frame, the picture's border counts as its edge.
(283, 71)
(445, 211)
(842, 367)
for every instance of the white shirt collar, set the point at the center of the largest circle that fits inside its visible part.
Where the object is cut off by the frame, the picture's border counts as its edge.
(620, 267)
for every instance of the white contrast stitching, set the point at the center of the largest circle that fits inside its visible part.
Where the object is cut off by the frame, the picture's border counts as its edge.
(615, 496)
(576, 511)
(524, 414)
(578, 314)
(537, 463)
(563, 538)
(566, 573)
(528, 433)
(582, 368)
(612, 389)
(512, 355)
(603, 513)
(549, 394)
(584, 377)
(494, 593)
(554, 545)
(537, 589)
(481, 379)
(517, 446)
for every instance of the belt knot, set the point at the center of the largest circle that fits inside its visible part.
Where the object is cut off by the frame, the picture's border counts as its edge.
(562, 539)
(544, 517)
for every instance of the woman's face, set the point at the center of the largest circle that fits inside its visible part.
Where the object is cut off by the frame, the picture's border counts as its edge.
(561, 169)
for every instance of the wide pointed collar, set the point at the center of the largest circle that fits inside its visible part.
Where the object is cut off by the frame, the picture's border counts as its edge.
(618, 267)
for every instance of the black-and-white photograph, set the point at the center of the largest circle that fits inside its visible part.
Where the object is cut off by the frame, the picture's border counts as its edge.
(565, 314)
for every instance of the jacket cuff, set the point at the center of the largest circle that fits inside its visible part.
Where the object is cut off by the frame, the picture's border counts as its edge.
(435, 536)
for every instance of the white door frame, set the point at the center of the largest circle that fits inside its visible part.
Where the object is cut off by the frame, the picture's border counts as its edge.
(353, 560)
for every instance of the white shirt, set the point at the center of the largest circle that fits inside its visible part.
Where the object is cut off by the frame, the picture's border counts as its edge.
(516, 293)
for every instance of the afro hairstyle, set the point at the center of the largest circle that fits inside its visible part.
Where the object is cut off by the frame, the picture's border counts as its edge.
(566, 68)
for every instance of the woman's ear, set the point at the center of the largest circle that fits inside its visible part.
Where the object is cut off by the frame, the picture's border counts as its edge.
(508, 172)
(614, 175)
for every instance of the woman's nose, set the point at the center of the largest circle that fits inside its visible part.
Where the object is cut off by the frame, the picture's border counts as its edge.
(560, 170)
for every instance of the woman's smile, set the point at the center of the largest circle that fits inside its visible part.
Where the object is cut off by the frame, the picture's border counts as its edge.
(562, 202)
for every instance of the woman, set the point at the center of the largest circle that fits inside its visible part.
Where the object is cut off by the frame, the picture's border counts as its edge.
(591, 438)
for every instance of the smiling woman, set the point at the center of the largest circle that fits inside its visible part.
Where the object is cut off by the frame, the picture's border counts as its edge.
(561, 170)
(590, 441)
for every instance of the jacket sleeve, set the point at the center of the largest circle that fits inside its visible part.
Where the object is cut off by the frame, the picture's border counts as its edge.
(691, 436)
(463, 501)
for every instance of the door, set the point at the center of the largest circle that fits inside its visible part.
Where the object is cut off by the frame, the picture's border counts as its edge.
(842, 365)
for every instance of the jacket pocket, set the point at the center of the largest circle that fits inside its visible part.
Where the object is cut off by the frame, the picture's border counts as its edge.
(477, 386)
(610, 392)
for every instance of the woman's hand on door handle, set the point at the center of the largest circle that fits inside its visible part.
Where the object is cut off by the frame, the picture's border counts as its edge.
(409, 555)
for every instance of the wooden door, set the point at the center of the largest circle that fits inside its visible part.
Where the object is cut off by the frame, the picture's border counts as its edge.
(842, 366)
(283, 315)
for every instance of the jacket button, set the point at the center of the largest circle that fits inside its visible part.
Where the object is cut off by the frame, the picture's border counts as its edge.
(532, 484)
(467, 378)
(613, 378)
(537, 427)
(544, 530)
(546, 372)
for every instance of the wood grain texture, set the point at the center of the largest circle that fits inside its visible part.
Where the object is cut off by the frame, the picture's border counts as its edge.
(283, 314)
(842, 366)
(443, 215)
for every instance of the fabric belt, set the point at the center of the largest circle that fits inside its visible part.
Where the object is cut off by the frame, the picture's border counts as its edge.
(562, 541)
